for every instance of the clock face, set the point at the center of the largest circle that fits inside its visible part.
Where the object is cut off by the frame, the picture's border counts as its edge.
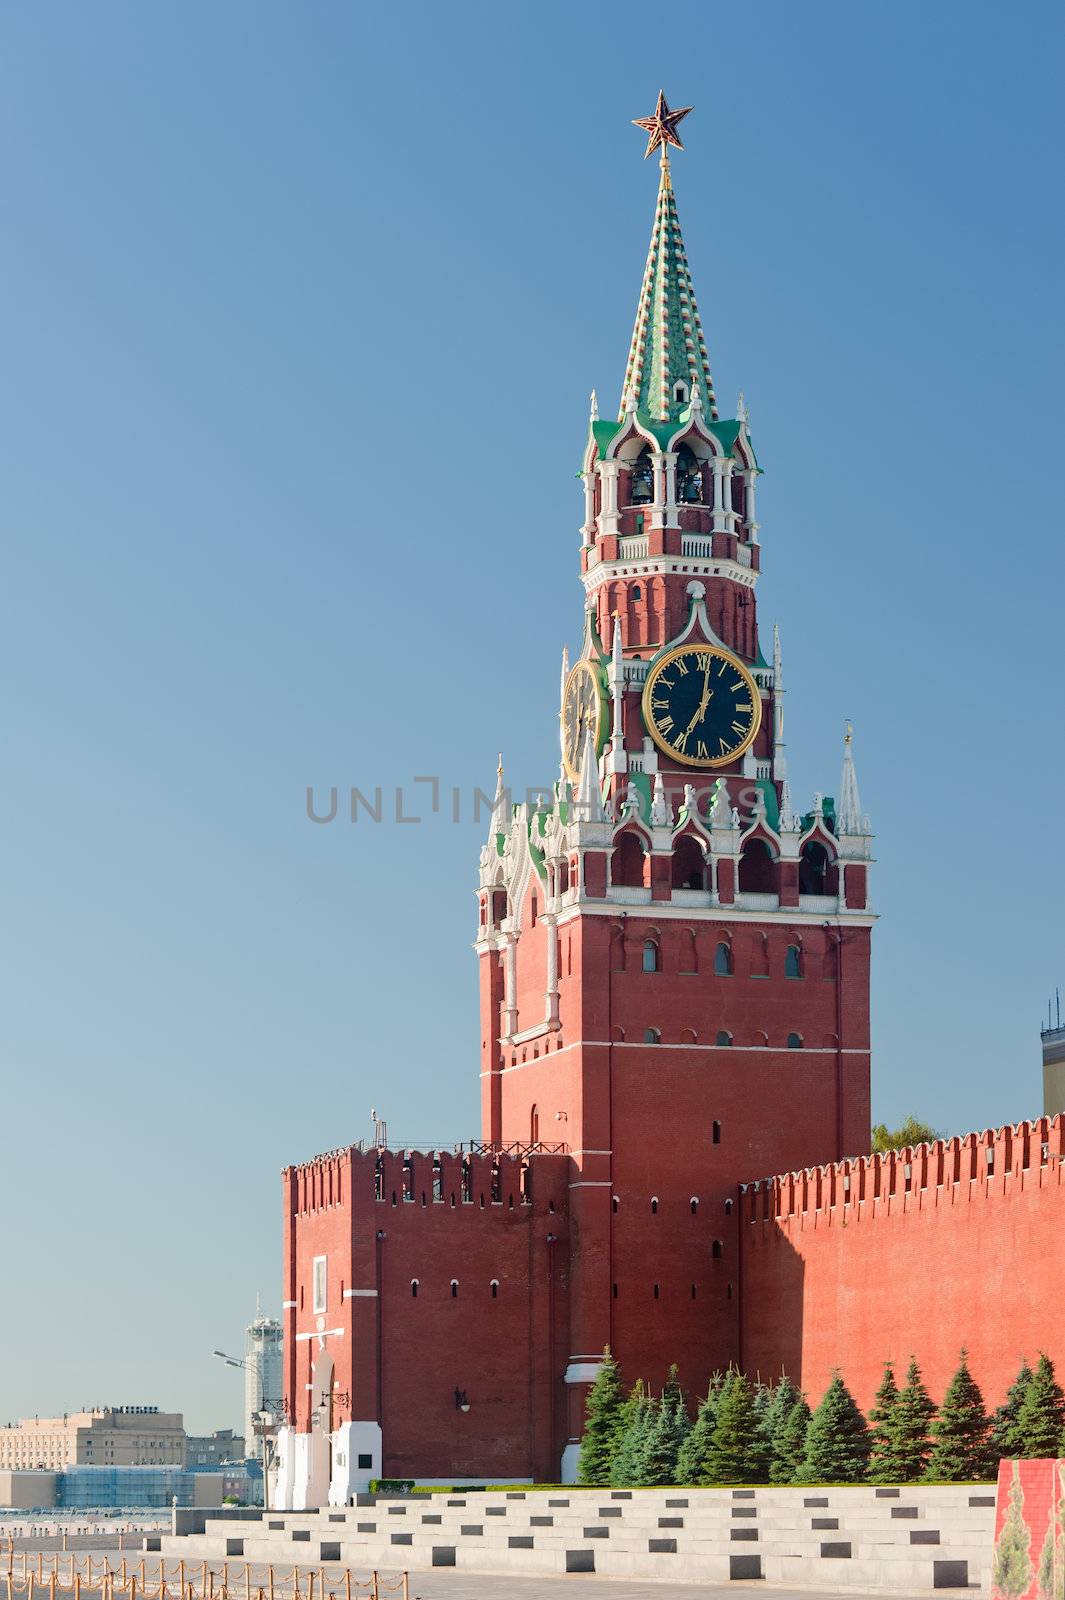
(583, 707)
(701, 706)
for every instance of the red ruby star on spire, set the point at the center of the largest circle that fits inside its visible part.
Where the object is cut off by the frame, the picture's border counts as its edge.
(661, 129)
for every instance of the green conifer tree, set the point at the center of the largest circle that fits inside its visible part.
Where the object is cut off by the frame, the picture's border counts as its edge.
(630, 1461)
(881, 1467)
(789, 1443)
(782, 1397)
(1011, 1569)
(959, 1433)
(837, 1440)
(629, 1423)
(1042, 1413)
(604, 1409)
(730, 1457)
(659, 1455)
(761, 1442)
(691, 1457)
(1004, 1440)
(908, 1440)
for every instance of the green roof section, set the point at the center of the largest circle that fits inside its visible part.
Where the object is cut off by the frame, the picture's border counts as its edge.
(604, 433)
(668, 347)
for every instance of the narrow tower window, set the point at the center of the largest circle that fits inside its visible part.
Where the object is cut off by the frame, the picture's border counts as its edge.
(652, 1036)
(650, 955)
(723, 960)
(454, 1288)
(793, 962)
(724, 1038)
(794, 1041)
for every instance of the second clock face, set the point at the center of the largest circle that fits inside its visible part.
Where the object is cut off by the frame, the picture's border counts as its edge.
(701, 706)
(583, 707)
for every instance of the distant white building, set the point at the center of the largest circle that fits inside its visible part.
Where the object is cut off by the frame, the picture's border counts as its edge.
(262, 1371)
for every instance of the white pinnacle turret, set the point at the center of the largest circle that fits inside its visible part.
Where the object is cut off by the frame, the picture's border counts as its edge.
(661, 811)
(497, 822)
(594, 408)
(589, 799)
(849, 818)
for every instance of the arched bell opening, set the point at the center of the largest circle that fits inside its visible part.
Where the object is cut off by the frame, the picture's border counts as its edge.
(642, 481)
(689, 864)
(818, 873)
(758, 869)
(629, 863)
(689, 477)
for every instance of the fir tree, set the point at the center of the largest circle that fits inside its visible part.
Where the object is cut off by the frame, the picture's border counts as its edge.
(908, 1441)
(789, 1443)
(782, 1397)
(729, 1458)
(604, 1409)
(881, 1466)
(691, 1457)
(761, 1455)
(630, 1422)
(837, 1440)
(665, 1438)
(959, 1433)
(1042, 1412)
(1011, 1571)
(1004, 1440)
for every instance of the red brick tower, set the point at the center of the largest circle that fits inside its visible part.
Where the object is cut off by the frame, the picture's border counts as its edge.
(673, 962)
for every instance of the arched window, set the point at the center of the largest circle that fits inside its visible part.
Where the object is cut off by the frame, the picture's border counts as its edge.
(757, 868)
(652, 1036)
(654, 1205)
(723, 960)
(794, 1041)
(615, 1203)
(793, 962)
(717, 1249)
(643, 479)
(689, 478)
(724, 1037)
(414, 1288)
(656, 1291)
(627, 862)
(689, 864)
(817, 874)
(534, 1125)
(636, 593)
(693, 1204)
(494, 1286)
(715, 1133)
(680, 394)
(650, 955)
(728, 1208)
(454, 1288)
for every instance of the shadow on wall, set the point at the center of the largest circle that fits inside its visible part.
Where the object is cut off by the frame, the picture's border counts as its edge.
(772, 1278)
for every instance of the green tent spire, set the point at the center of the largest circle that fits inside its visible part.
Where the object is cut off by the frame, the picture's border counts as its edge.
(668, 347)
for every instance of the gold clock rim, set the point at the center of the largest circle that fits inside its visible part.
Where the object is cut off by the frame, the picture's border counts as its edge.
(648, 721)
(584, 665)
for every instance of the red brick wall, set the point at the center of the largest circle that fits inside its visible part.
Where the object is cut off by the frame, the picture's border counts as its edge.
(507, 1351)
(922, 1252)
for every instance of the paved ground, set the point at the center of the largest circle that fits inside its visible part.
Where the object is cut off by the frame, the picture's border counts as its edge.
(451, 1585)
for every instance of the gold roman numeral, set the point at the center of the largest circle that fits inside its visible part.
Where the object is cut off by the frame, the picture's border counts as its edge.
(737, 727)
(701, 752)
(745, 705)
(681, 667)
(665, 725)
(659, 705)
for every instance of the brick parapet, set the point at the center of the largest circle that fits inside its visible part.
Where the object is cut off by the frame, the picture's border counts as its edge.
(989, 1163)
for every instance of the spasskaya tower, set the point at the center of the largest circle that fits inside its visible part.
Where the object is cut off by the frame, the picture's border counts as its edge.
(674, 957)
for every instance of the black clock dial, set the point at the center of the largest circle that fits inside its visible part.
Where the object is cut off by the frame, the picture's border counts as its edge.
(701, 706)
(582, 708)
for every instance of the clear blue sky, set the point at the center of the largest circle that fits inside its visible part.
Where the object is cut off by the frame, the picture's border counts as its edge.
(300, 311)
